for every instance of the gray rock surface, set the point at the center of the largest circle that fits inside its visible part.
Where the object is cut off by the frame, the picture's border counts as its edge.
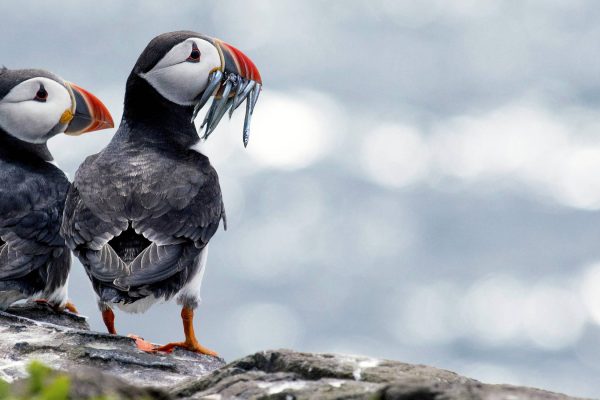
(104, 365)
(45, 313)
(63, 341)
(90, 383)
(285, 374)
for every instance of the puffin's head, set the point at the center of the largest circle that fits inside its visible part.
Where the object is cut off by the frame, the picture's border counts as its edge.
(36, 105)
(187, 68)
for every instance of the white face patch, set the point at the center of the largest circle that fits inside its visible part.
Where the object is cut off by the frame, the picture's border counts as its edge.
(180, 80)
(31, 120)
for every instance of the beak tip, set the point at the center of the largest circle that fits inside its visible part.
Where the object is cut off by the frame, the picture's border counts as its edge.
(110, 123)
(90, 113)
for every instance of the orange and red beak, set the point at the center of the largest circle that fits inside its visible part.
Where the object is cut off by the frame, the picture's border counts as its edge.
(237, 80)
(88, 114)
(238, 63)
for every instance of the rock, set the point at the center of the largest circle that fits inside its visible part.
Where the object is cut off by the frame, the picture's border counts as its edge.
(64, 342)
(285, 374)
(43, 312)
(102, 365)
(90, 383)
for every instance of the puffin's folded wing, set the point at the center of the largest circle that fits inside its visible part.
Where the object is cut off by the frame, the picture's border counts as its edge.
(104, 264)
(157, 263)
(30, 240)
(15, 264)
(82, 229)
(88, 237)
(190, 207)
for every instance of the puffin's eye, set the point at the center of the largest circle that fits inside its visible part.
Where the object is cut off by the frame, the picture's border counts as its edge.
(41, 95)
(194, 55)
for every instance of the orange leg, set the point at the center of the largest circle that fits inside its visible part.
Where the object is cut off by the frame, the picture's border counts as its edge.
(109, 320)
(190, 343)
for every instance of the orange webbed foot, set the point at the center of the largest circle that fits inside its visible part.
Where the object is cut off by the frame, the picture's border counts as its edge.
(194, 347)
(143, 344)
(190, 343)
(71, 307)
(68, 306)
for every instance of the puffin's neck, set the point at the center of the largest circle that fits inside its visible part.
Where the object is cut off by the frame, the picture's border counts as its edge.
(152, 118)
(10, 146)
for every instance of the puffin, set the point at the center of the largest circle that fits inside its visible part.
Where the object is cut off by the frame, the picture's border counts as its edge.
(36, 105)
(141, 212)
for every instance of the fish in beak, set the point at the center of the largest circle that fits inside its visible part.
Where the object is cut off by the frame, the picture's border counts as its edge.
(237, 80)
(87, 114)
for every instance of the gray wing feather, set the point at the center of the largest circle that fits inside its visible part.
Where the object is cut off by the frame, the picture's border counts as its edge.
(106, 265)
(177, 206)
(154, 264)
(87, 235)
(82, 228)
(30, 216)
(15, 264)
(188, 206)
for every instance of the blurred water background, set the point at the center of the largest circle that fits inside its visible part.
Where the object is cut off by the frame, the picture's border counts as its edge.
(422, 182)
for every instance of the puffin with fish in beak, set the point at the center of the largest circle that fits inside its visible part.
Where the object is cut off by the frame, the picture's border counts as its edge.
(36, 105)
(140, 213)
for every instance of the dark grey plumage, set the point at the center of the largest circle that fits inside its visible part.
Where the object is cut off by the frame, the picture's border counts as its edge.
(36, 105)
(33, 256)
(34, 259)
(131, 189)
(140, 212)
